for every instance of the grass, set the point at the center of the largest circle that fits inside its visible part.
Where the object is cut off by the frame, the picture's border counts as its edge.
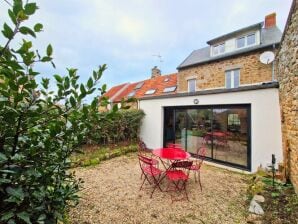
(93, 154)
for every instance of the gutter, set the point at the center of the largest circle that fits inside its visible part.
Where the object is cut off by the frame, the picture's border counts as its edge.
(267, 85)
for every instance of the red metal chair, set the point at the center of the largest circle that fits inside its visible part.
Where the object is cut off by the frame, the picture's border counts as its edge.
(151, 173)
(178, 176)
(196, 167)
(174, 145)
(143, 150)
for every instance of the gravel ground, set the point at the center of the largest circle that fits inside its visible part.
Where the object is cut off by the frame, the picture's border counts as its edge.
(111, 195)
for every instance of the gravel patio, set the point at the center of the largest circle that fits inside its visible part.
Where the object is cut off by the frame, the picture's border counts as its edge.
(111, 195)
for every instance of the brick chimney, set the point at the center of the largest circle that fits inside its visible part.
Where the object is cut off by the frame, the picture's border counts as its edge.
(270, 20)
(155, 72)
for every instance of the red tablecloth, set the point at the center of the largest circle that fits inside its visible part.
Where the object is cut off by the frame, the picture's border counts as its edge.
(171, 153)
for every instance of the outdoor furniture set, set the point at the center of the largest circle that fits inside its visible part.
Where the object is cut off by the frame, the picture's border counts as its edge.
(175, 170)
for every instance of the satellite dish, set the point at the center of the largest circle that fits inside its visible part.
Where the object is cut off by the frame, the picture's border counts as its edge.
(267, 57)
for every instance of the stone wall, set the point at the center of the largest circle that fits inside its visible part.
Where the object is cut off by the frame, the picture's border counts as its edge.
(212, 75)
(287, 73)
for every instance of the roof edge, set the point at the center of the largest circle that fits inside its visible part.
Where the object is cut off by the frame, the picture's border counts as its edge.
(214, 40)
(266, 85)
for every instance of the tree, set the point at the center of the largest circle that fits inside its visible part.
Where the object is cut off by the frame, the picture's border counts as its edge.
(39, 128)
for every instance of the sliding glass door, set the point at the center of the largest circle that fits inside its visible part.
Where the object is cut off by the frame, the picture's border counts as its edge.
(223, 129)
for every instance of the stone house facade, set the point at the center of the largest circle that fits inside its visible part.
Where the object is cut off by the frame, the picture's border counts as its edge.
(211, 75)
(239, 50)
(287, 74)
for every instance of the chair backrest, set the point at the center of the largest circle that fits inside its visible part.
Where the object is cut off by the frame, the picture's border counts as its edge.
(201, 155)
(144, 160)
(182, 164)
(141, 146)
(174, 145)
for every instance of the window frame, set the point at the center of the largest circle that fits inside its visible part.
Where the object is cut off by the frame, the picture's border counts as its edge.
(217, 45)
(188, 85)
(232, 72)
(245, 40)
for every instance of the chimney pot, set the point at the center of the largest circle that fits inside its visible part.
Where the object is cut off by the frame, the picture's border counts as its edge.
(270, 20)
(155, 72)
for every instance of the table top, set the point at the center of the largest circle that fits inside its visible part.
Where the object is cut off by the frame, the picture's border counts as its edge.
(171, 153)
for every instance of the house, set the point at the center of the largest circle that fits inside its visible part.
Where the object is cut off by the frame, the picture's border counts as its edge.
(287, 75)
(226, 98)
(157, 85)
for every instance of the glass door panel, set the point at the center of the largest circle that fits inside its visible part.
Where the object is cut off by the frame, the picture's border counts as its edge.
(198, 125)
(180, 128)
(230, 135)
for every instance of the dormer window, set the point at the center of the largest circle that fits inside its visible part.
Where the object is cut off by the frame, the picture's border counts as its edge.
(246, 41)
(219, 49)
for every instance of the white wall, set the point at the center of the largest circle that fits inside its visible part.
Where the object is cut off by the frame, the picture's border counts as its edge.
(265, 120)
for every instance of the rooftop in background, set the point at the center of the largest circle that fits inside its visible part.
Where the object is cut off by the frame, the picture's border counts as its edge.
(156, 86)
(269, 35)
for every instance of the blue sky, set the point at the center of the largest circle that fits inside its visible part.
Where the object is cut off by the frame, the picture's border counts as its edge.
(125, 34)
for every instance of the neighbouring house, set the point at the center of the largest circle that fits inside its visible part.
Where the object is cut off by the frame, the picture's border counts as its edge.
(287, 75)
(157, 85)
(225, 99)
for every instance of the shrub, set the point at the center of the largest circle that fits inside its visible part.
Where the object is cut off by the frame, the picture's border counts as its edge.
(39, 128)
(124, 125)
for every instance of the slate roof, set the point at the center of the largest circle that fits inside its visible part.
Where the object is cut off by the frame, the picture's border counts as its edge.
(269, 37)
(158, 83)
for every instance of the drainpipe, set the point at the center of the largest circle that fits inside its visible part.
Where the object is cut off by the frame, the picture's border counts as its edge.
(273, 64)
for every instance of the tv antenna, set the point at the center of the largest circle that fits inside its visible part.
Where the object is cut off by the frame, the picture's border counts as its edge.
(267, 58)
(159, 58)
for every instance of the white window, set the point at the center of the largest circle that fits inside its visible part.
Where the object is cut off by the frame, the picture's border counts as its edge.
(191, 85)
(169, 89)
(232, 78)
(251, 39)
(246, 41)
(150, 91)
(219, 49)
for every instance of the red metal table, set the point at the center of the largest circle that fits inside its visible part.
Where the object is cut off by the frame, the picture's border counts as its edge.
(171, 153)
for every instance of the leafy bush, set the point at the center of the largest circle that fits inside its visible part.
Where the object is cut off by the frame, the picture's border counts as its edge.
(124, 125)
(39, 128)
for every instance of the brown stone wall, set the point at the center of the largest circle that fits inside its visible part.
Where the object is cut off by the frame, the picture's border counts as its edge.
(212, 75)
(287, 74)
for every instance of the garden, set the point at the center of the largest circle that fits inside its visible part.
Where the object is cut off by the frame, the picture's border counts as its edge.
(63, 161)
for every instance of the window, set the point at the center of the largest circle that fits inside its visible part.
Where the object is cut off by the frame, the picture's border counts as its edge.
(169, 89)
(246, 41)
(232, 78)
(150, 91)
(251, 39)
(131, 94)
(139, 85)
(240, 42)
(191, 85)
(219, 49)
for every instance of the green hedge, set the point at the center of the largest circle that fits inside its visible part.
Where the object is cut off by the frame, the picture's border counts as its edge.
(123, 126)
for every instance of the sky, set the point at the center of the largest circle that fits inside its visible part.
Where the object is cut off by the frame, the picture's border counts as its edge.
(126, 35)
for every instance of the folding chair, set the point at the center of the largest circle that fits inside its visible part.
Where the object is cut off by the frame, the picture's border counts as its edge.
(143, 150)
(151, 173)
(178, 176)
(196, 167)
